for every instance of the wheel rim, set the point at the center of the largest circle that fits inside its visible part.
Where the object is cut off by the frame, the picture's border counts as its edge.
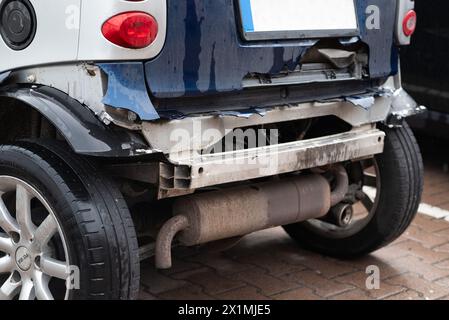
(33, 252)
(369, 199)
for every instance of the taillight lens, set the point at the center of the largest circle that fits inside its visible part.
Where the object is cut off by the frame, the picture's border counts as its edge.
(134, 30)
(409, 23)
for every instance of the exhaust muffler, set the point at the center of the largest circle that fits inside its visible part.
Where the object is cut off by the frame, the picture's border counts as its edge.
(207, 217)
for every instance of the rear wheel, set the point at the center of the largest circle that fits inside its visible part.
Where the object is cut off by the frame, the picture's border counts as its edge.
(386, 191)
(65, 230)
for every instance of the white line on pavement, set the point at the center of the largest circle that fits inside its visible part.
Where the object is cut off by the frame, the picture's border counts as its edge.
(424, 208)
(434, 212)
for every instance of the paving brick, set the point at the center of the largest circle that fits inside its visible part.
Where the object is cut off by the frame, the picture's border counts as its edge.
(429, 224)
(418, 250)
(294, 255)
(273, 266)
(245, 293)
(402, 238)
(185, 293)
(267, 284)
(436, 181)
(387, 269)
(358, 280)
(436, 199)
(327, 267)
(298, 294)
(442, 248)
(210, 281)
(356, 294)
(445, 232)
(180, 265)
(319, 284)
(444, 206)
(406, 295)
(427, 271)
(442, 264)
(156, 282)
(143, 295)
(427, 239)
(444, 282)
(391, 252)
(427, 290)
(219, 262)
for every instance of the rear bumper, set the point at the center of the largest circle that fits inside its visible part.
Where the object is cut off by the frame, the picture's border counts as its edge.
(209, 170)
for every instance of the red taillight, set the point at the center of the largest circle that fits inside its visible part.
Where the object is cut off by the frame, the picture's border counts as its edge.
(409, 23)
(134, 30)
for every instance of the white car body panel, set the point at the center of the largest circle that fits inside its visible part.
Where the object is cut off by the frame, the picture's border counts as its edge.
(70, 31)
(93, 46)
(53, 42)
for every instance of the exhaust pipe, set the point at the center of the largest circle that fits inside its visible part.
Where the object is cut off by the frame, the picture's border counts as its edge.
(165, 239)
(203, 218)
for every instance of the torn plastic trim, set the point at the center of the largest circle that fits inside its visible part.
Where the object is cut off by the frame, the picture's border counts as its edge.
(84, 82)
(365, 101)
(246, 113)
(402, 106)
(84, 132)
(127, 89)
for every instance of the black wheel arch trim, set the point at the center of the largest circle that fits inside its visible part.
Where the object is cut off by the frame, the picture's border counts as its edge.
(83, 131)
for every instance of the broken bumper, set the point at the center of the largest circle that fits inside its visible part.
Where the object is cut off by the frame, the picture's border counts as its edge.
(216, 169)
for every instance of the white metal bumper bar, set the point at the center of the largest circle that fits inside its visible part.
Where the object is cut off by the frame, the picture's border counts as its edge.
(227, 167)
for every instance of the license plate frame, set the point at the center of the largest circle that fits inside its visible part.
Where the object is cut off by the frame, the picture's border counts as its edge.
(258, 19)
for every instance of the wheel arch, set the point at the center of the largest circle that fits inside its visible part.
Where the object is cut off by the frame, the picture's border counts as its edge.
(74, 122)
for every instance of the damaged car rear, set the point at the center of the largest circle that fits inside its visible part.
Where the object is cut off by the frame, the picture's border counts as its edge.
(132, 127)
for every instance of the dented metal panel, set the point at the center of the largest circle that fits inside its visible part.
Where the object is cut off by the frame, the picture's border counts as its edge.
(126, 89)
(204, 52)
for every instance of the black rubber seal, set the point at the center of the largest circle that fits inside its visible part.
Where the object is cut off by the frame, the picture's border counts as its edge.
(17, 23)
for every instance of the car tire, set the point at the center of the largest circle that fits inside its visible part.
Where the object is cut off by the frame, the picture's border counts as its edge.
(400, 169)
(92, 219)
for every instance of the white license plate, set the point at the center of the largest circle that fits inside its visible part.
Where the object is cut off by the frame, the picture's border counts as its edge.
(298, 19)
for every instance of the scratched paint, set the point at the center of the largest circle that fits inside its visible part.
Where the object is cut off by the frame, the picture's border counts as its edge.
(127, 89)
(204, 53)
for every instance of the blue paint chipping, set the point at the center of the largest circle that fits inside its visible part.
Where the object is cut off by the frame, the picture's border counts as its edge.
(127, 89)
(247, 15)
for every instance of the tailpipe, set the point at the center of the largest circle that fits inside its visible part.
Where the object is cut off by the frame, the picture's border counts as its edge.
(165, 239)
(212, 216)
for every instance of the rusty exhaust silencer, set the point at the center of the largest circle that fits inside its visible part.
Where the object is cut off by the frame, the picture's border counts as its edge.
(219, 215)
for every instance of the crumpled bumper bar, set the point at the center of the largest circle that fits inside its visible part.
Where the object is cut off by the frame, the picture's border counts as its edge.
(216, 169)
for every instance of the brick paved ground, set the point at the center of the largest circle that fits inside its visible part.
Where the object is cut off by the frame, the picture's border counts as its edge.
(268, 265)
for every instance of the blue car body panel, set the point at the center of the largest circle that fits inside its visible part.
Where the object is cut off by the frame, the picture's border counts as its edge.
(127, 89)
(204, 52)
